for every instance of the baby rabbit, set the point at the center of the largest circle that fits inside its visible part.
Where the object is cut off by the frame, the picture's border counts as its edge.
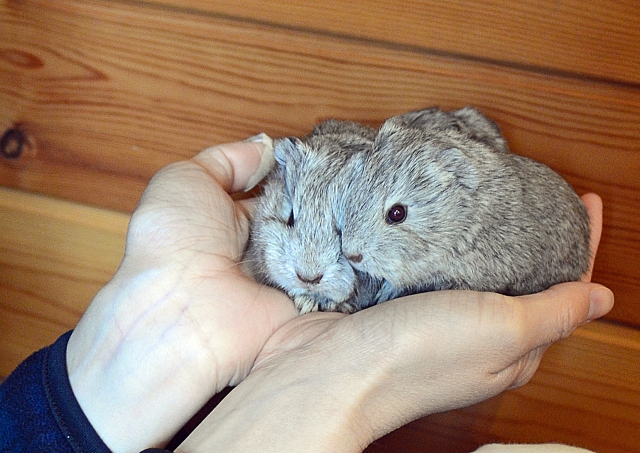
(352, 216)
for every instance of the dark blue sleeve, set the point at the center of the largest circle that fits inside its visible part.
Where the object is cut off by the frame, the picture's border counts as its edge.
(38, 411)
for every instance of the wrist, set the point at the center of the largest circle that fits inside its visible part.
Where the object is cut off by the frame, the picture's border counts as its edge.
(156, 343)
(285, 409)
(125, 362)
(329, 396)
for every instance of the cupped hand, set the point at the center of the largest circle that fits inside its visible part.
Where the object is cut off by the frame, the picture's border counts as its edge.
(179, 321)
(329, 382)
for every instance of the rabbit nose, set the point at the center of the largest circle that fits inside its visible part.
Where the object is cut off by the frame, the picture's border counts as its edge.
(355, 258)
(309, 280)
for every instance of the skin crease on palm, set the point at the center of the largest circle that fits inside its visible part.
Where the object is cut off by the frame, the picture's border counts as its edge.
(180, 321)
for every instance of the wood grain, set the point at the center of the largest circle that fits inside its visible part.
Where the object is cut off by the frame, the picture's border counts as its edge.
(54, 257)
(114, 103)
(108, 95)
(599, 39)
(108, 92)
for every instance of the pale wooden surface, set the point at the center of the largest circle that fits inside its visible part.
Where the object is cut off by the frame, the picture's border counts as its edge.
(54, 257)
(109, 92)
(598, 38)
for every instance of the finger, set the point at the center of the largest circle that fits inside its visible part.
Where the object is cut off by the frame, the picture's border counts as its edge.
(554, 314)
(267, 160)
(233, 165)
(593, 203)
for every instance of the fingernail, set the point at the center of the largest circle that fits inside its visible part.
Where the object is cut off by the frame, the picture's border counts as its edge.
(601, 300)
(267, 161)
(260, 138)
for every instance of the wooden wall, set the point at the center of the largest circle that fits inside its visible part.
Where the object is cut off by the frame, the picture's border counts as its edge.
(54, 257)
(107, 92)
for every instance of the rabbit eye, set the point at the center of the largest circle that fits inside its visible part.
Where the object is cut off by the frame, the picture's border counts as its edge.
(290, 221)
(397, 214)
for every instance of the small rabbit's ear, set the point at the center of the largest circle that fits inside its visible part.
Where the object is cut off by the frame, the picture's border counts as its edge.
(475, 120)
(480, 128)
(287, 149)
(425, 119)
(455, 161)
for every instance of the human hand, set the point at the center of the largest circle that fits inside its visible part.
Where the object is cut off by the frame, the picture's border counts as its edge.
(330, 382)
(179, 321)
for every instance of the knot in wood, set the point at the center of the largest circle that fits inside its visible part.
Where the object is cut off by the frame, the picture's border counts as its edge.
(12, 143)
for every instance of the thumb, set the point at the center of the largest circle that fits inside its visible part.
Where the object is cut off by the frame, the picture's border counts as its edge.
(236, 166)
(561, 309)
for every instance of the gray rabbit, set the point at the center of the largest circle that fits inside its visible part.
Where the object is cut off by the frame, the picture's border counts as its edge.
(352, 216)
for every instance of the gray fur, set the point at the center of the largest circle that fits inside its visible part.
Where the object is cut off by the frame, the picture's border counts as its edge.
(478, 217)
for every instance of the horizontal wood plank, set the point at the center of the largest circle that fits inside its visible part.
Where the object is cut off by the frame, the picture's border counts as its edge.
(586, 393)
(54, 257)
(117, 104)
(599, 39)
(109, 95)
